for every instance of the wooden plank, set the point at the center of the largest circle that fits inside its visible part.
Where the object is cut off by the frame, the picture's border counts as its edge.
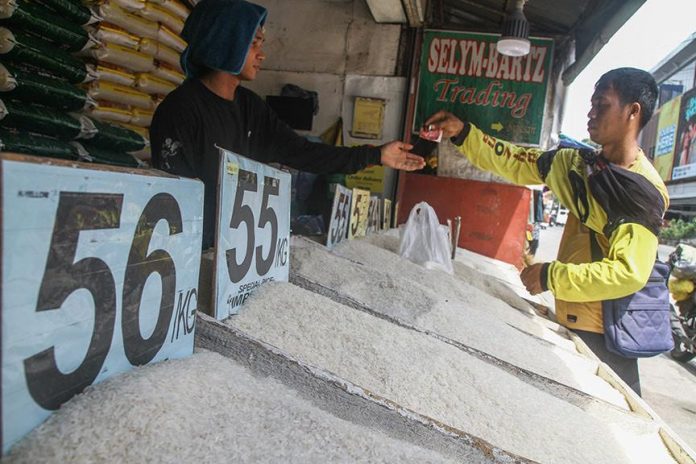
(10, 156)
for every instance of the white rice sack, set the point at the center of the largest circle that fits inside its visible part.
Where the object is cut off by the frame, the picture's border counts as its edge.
(132, 6)
(134, 24)
(157, 13)
(174, 7)
(115, 35)
(153, 85)
(123, 56)
(142, 131)
(105, 111)
(119, 94)
(141, 118)
(115, 75)
(168, 73)
(160, 52)
(204, 409)
(170, 39)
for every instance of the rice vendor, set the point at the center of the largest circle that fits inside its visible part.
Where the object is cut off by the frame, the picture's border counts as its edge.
(212, 109)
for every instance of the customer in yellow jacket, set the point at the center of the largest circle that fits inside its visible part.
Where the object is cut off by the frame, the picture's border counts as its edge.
(614, 196)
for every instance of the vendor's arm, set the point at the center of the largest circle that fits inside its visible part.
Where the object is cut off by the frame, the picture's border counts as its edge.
(514, 163)
(287, 147)
(625, 269)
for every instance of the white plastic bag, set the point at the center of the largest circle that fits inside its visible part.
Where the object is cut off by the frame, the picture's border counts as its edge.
(424, 241)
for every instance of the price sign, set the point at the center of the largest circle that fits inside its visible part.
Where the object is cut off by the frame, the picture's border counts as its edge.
(359, 206)
(253, 235)
(386, 218)
(340, 212)
(99, 274)
(373, 215)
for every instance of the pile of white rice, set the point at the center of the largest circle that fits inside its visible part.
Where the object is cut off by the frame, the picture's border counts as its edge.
(445, 285)
(469, 322)
(390, 241)
(440, 381)
(205, 409)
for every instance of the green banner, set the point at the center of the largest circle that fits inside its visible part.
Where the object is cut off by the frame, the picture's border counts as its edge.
(462, 72)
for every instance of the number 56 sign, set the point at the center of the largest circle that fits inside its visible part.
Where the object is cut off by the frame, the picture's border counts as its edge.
(253, 230)
(99, 273)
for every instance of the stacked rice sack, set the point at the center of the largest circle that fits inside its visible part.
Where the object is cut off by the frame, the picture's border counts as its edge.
(86, 78)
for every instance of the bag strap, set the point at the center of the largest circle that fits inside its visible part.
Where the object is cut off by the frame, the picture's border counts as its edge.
(595, 249)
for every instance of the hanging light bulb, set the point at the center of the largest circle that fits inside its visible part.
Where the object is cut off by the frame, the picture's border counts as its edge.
(514, 35)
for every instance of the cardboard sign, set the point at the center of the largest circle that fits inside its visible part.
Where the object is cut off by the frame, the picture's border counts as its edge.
(338, 229)
(396, 215)
(371, 178)
(253, 230)
(359, 206)
(99, 274)
(386, 217)
(374, 219)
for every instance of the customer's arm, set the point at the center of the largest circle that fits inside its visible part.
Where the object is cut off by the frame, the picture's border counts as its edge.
(514, 163)
(625, 269)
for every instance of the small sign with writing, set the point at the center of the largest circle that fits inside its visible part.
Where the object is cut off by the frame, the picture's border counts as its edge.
(374, 220)
(340, 214)
(386, 217)
(359, 206)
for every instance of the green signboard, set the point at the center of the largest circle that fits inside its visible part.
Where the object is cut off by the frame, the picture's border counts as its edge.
(462, 72)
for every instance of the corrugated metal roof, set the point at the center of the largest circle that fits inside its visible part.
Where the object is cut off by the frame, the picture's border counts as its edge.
(547, 17)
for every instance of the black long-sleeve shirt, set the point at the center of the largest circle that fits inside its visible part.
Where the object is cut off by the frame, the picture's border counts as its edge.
(192, 122)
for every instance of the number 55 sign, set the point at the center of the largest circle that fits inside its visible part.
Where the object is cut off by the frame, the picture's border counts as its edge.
(99, 273)
(338, 228)
(253, 230)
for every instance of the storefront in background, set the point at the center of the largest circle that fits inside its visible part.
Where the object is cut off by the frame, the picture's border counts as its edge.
(669, 139)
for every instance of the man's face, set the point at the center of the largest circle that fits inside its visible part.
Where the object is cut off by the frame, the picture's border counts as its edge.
(254, 58)
(609, 120)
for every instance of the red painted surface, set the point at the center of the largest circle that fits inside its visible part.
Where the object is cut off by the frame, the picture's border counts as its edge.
(494, 216)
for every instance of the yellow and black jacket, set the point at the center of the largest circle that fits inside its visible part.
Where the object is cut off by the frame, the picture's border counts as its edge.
(624, 207)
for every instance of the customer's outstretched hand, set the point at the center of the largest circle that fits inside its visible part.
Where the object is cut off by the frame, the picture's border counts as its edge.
(396, 155)
(531, 278)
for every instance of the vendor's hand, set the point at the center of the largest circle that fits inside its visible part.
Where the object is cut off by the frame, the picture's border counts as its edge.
(450, 124)
(396, 155)
(531, 278)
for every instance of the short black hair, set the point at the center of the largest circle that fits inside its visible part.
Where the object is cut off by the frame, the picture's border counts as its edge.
(633, 86)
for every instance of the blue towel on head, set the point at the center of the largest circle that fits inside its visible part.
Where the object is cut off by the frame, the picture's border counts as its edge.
(219, 34)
